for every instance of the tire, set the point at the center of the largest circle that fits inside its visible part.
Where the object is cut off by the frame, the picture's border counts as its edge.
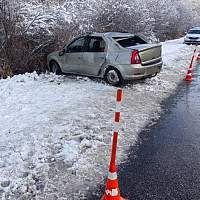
(55, 68)
(153, 75)
(113, 77)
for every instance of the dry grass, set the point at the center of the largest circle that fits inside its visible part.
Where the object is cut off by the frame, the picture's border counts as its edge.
(5, 72)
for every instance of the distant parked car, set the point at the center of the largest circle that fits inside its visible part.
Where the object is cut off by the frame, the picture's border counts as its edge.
(113, 56)
(193, 36)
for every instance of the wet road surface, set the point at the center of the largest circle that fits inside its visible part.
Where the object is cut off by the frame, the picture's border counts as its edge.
(165, 165)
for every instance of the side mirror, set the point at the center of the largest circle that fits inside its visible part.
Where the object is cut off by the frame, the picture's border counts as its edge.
(61, 53)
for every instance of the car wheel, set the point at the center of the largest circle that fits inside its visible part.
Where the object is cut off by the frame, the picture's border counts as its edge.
(153, 75)
(113, 77)
(55, 68)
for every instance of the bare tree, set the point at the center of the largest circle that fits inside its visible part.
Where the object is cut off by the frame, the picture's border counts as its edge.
(26, 37)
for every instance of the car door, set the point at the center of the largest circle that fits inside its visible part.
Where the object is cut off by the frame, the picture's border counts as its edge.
(94, 56)
(74, 55)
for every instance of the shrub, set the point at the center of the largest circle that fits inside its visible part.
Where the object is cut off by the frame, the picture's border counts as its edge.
(23, 51)
(24, 46)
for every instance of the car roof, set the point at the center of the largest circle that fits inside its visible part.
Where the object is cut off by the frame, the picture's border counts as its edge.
(195, 28)
(112, 34)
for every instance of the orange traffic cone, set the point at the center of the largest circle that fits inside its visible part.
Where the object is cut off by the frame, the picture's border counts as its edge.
(189, 75)
(112, 186)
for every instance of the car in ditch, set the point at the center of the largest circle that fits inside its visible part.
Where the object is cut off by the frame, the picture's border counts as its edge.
(115, 57)
(193, 36)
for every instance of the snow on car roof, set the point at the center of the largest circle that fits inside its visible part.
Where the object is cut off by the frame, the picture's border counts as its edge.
(113, 34)
(195, 28)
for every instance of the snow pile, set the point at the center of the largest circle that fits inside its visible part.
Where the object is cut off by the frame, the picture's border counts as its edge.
(56, 130)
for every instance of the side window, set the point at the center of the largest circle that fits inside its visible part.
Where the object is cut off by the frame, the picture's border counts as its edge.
(97, 44)
(77, 45)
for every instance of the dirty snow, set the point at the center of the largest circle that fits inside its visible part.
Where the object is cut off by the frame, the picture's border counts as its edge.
(55, 131)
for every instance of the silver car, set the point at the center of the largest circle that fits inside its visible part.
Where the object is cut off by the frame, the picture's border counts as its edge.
(115, 57)
(193, 36)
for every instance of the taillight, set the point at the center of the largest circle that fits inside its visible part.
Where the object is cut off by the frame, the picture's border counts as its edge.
(135, 59)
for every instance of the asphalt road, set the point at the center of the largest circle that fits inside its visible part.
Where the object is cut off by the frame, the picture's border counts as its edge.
(165, 165)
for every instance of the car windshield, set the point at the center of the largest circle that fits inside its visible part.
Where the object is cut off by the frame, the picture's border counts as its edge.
(194, 32)
(129, 41)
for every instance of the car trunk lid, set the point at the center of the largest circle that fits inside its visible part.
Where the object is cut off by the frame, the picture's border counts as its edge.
(148, 53)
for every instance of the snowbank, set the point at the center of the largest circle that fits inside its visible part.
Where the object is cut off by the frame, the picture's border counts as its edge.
(55, 131)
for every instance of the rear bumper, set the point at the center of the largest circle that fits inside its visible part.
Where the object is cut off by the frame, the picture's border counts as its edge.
(134, 72)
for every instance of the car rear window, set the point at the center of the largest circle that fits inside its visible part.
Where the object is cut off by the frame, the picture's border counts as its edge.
(129, 41)
(194, 32)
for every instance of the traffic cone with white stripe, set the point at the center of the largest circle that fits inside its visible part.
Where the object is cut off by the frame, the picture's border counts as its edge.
(189, 75)
(189, 72)
(112, 186)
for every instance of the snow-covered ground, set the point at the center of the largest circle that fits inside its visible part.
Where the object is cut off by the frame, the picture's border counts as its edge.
(55, 131)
